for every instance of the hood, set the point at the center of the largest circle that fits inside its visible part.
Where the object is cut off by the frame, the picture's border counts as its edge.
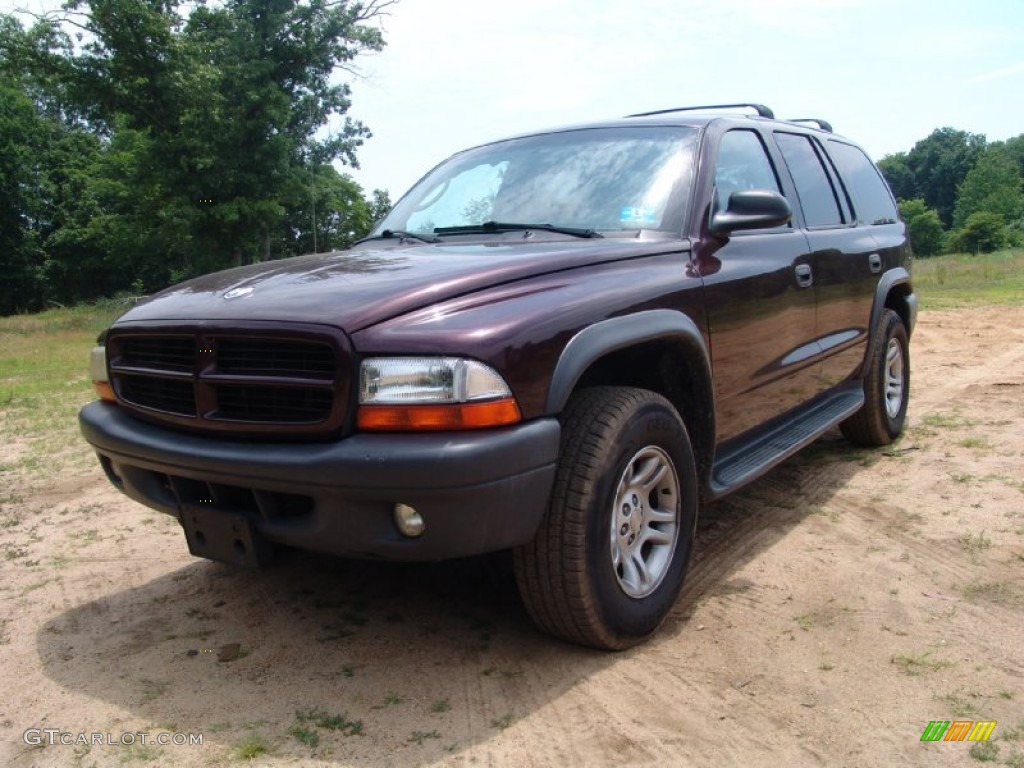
(355, 289)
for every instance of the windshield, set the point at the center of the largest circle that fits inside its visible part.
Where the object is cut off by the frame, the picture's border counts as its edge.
(602, 179)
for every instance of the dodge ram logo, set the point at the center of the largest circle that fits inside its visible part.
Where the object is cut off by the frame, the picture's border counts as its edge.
(237, 293)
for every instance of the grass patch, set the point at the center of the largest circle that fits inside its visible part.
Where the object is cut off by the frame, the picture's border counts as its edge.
(503, 722)
(960, 280)
(304, 735)
(978, 542)
(959, 705)
(917, 664)
(419, 737)
(990, 591)
(984, 751)
(251, 747)
(1013, 734)
(321, 719)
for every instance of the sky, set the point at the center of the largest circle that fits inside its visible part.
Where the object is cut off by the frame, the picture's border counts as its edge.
(457, 73)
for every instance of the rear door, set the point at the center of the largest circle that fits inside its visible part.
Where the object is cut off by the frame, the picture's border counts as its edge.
(846, 291)
(843, 257)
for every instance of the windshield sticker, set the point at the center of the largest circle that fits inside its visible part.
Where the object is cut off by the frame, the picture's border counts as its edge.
(638, 215)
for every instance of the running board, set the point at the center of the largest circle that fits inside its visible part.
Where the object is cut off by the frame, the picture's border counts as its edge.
(750, 461)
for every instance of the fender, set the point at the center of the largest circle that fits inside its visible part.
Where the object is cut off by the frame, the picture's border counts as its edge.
(892, 278)
(597, 340)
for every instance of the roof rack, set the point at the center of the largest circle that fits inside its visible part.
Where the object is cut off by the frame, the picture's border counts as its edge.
(761, 109)
(825, 125)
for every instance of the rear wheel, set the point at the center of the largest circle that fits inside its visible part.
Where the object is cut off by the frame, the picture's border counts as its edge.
(886, 386)
(608, 561)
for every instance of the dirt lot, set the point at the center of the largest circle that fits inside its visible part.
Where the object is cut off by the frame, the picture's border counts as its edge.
(833, 609)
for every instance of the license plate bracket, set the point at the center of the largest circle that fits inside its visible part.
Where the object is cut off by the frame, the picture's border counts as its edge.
(228, 537)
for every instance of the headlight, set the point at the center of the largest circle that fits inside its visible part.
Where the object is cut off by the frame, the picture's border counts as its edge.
(98, 372)
(432, 393)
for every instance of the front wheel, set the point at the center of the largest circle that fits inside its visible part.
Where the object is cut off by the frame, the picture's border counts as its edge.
(608, 561)
(886, 386)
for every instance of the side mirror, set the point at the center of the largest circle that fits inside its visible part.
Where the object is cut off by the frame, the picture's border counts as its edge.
(751, 209)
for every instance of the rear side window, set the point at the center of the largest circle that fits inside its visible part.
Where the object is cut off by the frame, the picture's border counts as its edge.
(872, 201)
(817, 196)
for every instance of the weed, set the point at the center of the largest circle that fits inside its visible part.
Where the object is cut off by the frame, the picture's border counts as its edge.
(962, 478)
(321, 719)
(503, 722)
(1016, 760)
(304, 735)
(976, 542)
(1007, 694)
(420, 736)
(251, 747)
(348, 672)
(441, 705)
(826, 666)
(919, 663)
(992, 591)
(153, 689)
(141, 753)
(391, 699)
(959, 705)
(1014, 734)
(984, 751)
(804, 621)
(979, 443)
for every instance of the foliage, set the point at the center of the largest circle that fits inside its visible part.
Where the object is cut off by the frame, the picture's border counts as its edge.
(983, 232)
(924, 226)
(957, 176)
(993, 185)
(173, 139)
(939, 165)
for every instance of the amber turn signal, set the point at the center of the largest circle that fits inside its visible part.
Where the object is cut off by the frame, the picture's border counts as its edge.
(408, 418)
(104, 391)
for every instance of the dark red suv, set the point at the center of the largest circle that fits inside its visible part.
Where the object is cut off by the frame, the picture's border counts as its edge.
(559, 344)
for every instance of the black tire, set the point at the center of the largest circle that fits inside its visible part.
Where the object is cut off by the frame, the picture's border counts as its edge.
(566, 576)
(886, 386)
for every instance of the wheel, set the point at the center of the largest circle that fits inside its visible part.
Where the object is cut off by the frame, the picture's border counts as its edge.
(608, 560)
(886, 386)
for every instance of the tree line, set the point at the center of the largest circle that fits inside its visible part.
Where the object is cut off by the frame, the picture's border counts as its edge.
(960, 193)
(146, 141)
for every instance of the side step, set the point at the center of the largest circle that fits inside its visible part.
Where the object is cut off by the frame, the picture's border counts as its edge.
(749, 461)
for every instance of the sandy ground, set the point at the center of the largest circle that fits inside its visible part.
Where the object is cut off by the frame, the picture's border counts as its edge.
(833, 609)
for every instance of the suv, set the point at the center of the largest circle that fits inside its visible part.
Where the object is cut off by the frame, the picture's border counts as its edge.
(560, 344)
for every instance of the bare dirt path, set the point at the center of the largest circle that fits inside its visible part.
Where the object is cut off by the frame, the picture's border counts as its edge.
(833, 609)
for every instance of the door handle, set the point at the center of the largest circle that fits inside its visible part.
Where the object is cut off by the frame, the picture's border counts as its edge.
(804, 277)
(875, 262)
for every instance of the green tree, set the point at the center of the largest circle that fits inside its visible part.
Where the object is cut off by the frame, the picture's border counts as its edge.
(939, 164)
(983, 232)
(379, 203)
(206, 120)
(899, 176)
(924, 226)
(993, 185)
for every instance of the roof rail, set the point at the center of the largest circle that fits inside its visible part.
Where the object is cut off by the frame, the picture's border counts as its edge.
(825, 125)
(761, 109)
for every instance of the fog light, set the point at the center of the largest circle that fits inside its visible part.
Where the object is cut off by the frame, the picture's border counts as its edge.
(409, 521)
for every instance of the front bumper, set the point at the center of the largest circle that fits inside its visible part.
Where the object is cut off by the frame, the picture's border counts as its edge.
(477, 491)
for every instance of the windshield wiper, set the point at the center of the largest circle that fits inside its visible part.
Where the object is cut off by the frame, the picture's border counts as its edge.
(504, 226)
(387, 234)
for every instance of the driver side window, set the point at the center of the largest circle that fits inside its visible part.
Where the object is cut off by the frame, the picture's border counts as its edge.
(743, 164)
